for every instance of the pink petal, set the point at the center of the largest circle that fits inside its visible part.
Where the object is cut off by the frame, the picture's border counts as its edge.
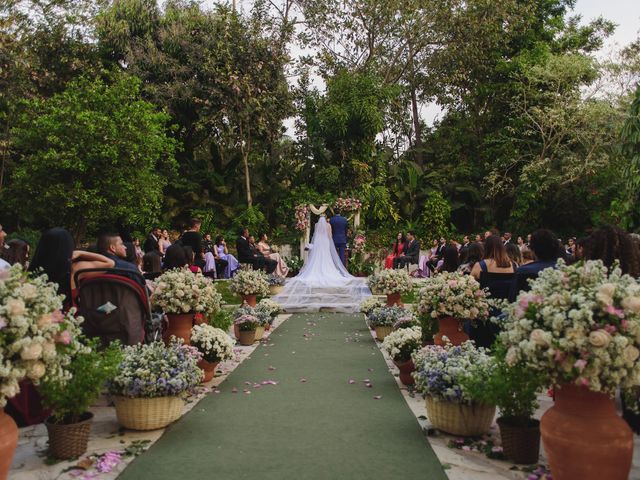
(366, 380)
(271, 367)
(370, 369)
(234, 390)
(216, 391)
(368, 385)
(303, 380)
(377, 397)
(351, 382)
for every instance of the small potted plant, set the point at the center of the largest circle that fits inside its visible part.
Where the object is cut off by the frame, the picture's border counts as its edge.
(276, 284)
(181, 294)
(451, 298)
(514, 389)
(151, 381)
(400, 345)
(382, 319)
(247, 326)
(269, 308)
(214, 345)
(70, 424)
(392, 283)
(250, 284)
(439, 376)
(37, 342)
(294, 264)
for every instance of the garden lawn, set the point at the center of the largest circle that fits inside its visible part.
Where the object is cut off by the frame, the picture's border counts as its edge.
(314, 424)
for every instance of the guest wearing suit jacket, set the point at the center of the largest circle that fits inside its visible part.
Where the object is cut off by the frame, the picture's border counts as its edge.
(339, 226)
(151, 243)
(248, 254)
(411, 252)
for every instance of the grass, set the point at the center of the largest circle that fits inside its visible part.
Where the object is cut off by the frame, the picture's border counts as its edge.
(228, 297)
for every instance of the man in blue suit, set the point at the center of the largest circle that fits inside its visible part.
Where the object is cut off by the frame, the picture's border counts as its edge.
(339, 226)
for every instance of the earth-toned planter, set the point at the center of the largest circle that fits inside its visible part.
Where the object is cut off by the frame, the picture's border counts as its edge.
(179, 325)
(69, 440)
(406, 368)
(247, 337)
(147, 413)
(520, 443)
(275, 289)
(460, 419)
(394, 299)
(259, 332)
(452, 329)
(584, 438)
(8, 442)
(209, 369)
(249, 300)
(382, 331)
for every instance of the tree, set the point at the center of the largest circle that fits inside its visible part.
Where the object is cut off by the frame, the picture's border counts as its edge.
(91, 156)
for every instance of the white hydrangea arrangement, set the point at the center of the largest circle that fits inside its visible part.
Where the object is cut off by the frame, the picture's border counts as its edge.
(441, 371)
(388, 316)
(260, 313)
(269, 306)
(37, 340)
(369, 304)
(578, 324)
(453, 295)
(214, 344)
(400, 344)
(182, 291)
(250, 282)
(390, 281)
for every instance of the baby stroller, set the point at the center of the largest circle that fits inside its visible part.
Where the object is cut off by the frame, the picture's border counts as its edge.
(116, 307)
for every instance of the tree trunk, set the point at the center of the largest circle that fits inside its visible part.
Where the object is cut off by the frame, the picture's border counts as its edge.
(417, 128)
(247, 178)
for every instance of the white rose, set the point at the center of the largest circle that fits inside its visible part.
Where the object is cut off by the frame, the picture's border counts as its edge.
(605, 293)
(29, 291)
(540, 337)
(600, 338)
(31, 352)
(632, 304)
(49, 349)
(44, 321)
(512, 356)
(630, 353)
(37, 370)
(15, 307)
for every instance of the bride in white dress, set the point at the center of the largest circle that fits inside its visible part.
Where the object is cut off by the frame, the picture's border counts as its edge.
(323, 282)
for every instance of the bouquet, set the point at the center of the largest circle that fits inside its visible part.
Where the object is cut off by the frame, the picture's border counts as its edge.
(214, 344)
(247, 323)
(453, 295)
(441, 371)
(182, 291)
(302, 217)
(37, 340)
(347, 204)
(578, 324)
(390, 281)
(275, 280)
(387, 316)
(250, 282)
(156, 370)
(269, 307)
(402, 343)
(262, 315)
(369, 304)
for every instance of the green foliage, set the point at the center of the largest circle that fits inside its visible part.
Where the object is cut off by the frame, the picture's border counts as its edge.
(627, 205)
(253, 219)
(436, 217)
(92, 155)
(294, 263)
(90, 370)
(223, 319)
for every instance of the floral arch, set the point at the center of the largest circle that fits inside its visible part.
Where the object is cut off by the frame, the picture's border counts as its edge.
(351, 208)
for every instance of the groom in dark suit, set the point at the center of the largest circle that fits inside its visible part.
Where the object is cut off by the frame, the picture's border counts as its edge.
(339, 226)
(411, 252)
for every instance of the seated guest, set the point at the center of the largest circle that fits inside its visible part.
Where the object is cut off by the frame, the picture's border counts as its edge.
(411, 252)
(223, 254)
(495, 259)
(176, 257)
(449, 261)
(151, 266)
(248, 254)
(192, 238)
(15, 251)
(527, 256)
(475, 252)
(611, 244)
(514, 253)
(263, 247)
(398, 247)
(151, 243)
(464, 248)
(545, 247)
(207, 243)
(139, 252)
(111, 246)
(164, 242)
(191, 257)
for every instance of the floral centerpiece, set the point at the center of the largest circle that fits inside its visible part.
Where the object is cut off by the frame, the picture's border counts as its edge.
(382, 319)
(439, 376)
(249, 284)
(247, 325)
(276, 283)
(450, 298)
(579, 326)
(37, 341)
(302, 217)
(369, 304)
(151, 381)
(400, 344)
(214, 344)
(182, 294)
(269, 307)
(347, 204)
(391, 283)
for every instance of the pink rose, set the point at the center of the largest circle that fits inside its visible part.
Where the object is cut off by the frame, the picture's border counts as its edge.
(610, 328)
(580, 364)
(64, 337)
(452, 283)
(57, 316)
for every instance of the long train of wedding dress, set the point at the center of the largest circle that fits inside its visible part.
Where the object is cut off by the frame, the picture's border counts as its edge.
(323, 282)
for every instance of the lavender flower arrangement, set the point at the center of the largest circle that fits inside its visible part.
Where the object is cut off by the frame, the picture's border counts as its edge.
(261, 313)
(247, 323)
(388, 316)
(156, 370)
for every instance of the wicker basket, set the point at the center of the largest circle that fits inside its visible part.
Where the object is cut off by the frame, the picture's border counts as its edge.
(383, 331)
(520, 444)
(458, 419)
(247, 337)
(69, 440)
(147, 413)
(259, 333)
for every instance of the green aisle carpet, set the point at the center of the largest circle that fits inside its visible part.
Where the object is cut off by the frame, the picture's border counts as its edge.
(313, 424)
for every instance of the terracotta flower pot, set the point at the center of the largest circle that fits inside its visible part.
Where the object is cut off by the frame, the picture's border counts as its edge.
(394, 299)
(405, 368)
(382, 331)
(236, 331)
(452, 329)
(199, 319)
(8, 442)
(259, 332)
(179, 326)
(69, 440)
(247, 338)
(584, 438)
(520, 443)
(209, 369)
(249, 300)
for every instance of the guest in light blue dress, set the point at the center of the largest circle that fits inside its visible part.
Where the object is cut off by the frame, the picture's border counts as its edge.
(223, 253)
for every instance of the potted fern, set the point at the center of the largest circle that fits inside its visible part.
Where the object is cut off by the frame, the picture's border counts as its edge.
(70, 424)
